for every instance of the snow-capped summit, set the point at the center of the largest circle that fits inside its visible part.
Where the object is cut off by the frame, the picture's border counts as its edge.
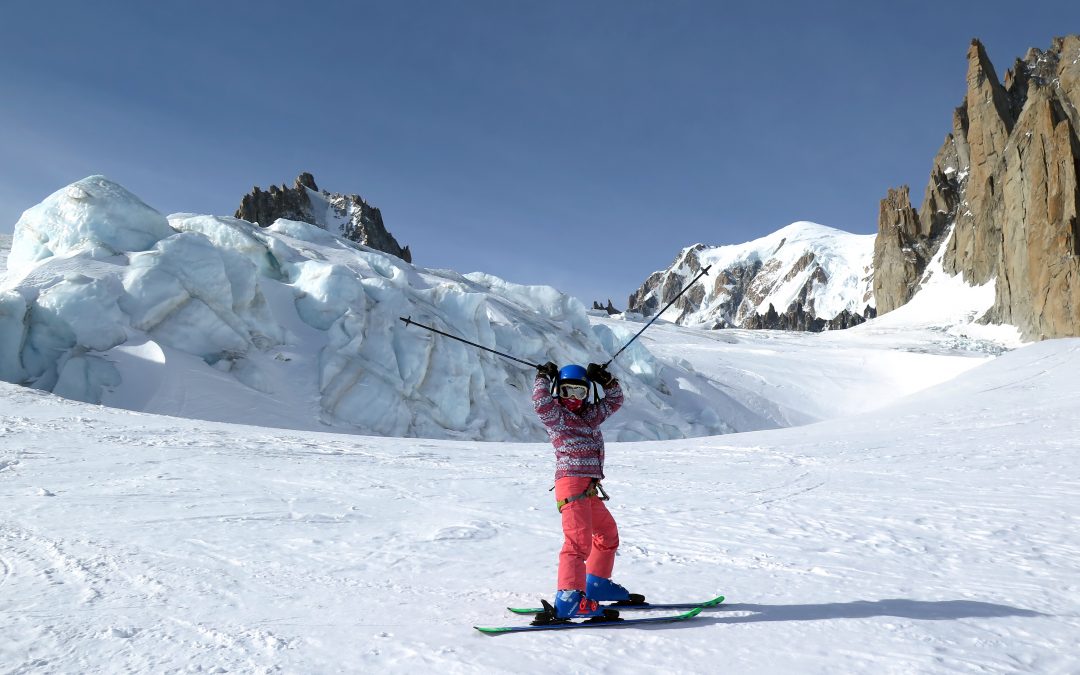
(811, 273)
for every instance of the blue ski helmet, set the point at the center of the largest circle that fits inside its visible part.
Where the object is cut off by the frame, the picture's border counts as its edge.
(573, 373)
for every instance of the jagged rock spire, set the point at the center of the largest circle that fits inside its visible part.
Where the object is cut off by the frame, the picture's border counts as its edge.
(347, 215)
(1003, 194)
(899, 252)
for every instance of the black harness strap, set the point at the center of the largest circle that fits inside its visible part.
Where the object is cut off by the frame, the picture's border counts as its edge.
(594, 489)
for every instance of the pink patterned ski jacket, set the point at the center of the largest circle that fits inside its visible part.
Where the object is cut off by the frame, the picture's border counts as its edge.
(579, 445)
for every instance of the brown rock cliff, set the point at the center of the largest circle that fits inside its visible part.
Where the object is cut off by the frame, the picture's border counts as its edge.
(1002, 197)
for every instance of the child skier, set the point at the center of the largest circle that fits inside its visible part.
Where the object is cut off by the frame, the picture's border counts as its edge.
(591, 537)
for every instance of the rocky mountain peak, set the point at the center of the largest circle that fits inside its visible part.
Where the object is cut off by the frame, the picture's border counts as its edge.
(984, 88)
(610, 309)
(347, 215)
(1002, 200)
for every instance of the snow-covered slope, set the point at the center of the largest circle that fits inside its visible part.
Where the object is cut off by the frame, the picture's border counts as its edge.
(821, 270)
(938, 534)
(214, 318)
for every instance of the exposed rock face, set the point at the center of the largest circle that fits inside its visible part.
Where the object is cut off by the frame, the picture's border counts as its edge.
(900, 252)
(347, 215)
(797, 318)
(610, 309)
(1003, 197)
(263, 208)
(818, 276)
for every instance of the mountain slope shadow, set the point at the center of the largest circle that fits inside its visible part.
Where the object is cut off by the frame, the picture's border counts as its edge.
(941, 610)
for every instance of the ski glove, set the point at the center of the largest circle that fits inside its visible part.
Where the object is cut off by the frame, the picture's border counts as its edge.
(599, 374)
(549, 370)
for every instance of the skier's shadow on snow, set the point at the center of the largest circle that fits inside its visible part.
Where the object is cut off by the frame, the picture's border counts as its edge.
(925, 610)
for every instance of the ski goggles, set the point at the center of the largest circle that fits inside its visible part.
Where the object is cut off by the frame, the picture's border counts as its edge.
(577, 392)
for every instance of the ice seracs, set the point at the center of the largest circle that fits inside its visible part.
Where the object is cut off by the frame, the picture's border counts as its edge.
(93, 216)
(217, 318)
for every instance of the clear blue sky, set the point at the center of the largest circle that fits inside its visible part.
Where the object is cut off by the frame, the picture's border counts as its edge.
(578, 144)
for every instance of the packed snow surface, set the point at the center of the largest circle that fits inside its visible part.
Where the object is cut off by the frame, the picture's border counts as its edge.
(937, 534)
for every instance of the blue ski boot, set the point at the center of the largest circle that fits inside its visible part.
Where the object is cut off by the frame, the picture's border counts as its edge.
(601, 589)
(574, 605)
(606, 590)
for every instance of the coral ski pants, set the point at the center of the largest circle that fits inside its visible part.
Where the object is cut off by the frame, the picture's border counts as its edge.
(591, 535)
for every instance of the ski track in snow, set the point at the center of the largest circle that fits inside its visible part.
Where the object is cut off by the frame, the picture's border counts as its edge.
(936, 535)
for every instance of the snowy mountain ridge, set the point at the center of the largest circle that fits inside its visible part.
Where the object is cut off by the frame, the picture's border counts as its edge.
(806, 270)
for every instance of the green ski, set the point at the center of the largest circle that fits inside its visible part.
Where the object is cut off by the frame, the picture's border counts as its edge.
(639, 607)
(590, 623)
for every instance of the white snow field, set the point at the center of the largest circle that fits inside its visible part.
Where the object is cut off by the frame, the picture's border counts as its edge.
(939, 534)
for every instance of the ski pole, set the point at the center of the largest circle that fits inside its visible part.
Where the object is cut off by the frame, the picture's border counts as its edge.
(657, 315)
(410, 322)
